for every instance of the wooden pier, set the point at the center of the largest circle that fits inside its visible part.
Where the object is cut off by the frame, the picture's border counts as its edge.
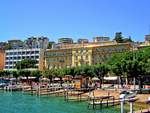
(102, 100)
(143, 111)
(76, 94)
(105, 101)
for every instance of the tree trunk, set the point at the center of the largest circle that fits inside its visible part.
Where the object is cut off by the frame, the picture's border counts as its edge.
(121, 82)
(16, 80)
(140, 83)
(118, 82)
(134, 82)
(100, 81)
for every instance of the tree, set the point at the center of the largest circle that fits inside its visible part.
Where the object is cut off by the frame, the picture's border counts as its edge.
(26, 63)
(50, 45)
(15, 74)
(125, 40)
(25, 73)
(118, 37)
(100, 71)
(36, 74)
(49, 74)
(133, 64)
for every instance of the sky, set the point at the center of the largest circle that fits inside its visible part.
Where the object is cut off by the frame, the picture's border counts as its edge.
(20, 19)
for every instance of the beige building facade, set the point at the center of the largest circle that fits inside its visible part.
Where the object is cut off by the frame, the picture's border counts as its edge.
(91, 53)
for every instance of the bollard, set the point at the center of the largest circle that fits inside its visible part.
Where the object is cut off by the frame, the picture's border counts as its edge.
(131, 107)
(122, 97)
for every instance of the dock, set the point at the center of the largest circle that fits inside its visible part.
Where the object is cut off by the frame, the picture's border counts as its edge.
(143, 111)
(76, 94)
(106, 100)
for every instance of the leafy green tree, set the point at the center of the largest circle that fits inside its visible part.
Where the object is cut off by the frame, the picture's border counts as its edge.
(36, 74)
(26, 63)
(50, 45)
(118, 37)
(133, 64)
(15, 74)
(100, 71)
(49, 74)
(126, 40)
(25, 73)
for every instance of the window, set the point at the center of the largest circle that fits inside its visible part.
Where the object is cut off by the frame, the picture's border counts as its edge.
(36, 52)
(19, 57)
(28, 52)
(37, 57)
(76, 57)
(10, 62)
(28, 57)
(19, 53)
(86, 56)
(10, 67)
(32, 56)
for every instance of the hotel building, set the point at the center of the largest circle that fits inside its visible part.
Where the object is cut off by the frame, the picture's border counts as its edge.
(14, 55)
(71, 55)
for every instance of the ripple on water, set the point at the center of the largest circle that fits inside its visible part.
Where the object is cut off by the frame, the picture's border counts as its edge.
(17, 102)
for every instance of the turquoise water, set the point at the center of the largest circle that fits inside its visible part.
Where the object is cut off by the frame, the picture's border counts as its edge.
(17, 102)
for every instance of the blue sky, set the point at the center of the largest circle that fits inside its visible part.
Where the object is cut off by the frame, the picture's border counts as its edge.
(55, 19)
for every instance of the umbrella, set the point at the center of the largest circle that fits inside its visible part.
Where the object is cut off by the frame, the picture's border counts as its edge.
(44, 79)
(95, 79)
(56, 78)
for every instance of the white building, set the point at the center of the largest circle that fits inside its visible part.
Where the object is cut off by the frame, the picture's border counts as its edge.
(37, 42)
(14, 55)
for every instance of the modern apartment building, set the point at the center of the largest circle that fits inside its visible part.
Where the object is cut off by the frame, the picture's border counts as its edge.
(147, 39)
(14, 55)
(72, 55)
(15, 44)
(100, 39)
(82, 40)
(65, 40)
(37, 42)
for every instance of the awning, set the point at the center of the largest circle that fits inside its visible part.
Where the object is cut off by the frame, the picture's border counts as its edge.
(56, 78)
(95, 79)
(12, 79)
(110, 78)
(24, 78)
(44, 79)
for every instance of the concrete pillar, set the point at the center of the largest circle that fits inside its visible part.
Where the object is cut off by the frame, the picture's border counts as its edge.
(131, 107)
(122, 97)
(122, 106)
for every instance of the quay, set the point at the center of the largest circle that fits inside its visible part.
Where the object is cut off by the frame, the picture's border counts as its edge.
(143, 111)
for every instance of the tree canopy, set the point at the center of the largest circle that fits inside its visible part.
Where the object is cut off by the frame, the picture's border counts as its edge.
(26, 63)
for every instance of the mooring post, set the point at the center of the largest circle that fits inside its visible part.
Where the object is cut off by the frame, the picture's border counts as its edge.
(122, 97)
(131, 107)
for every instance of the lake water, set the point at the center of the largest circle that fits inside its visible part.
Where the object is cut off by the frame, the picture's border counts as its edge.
(17, 102)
